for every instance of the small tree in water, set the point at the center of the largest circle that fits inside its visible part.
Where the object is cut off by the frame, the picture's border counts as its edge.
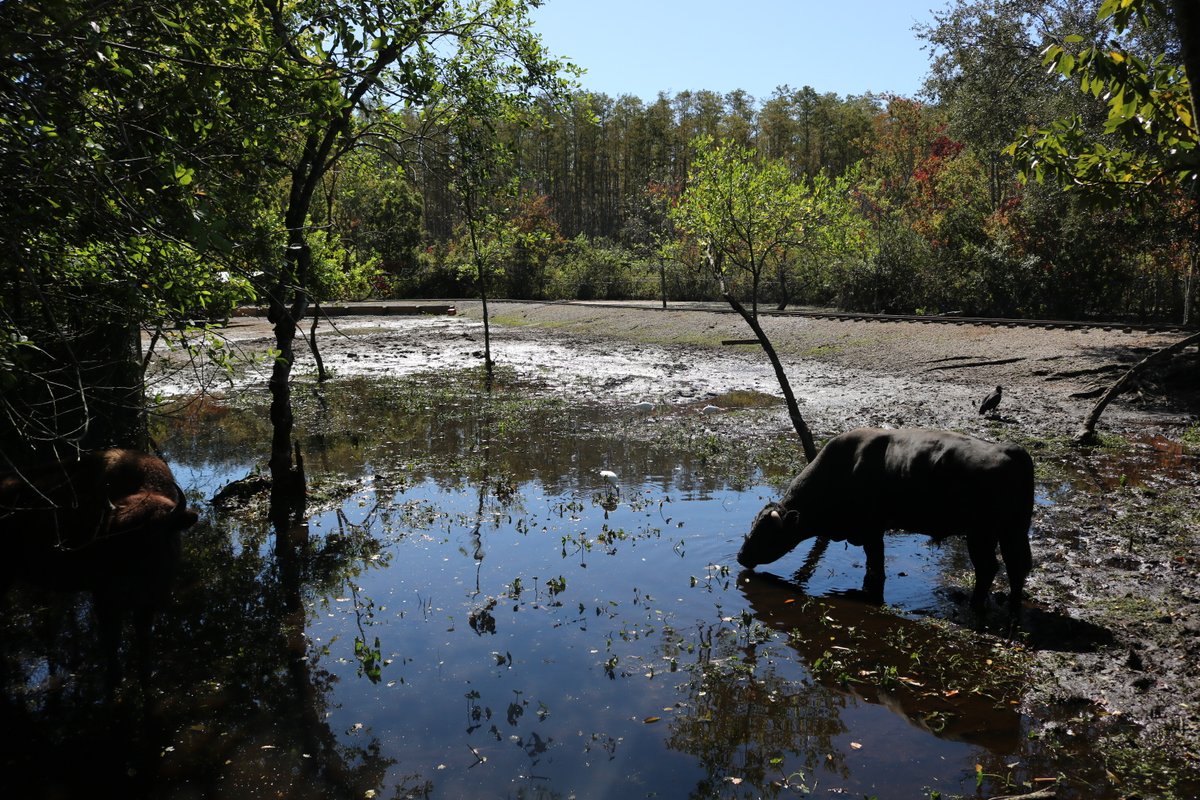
(749, 211)
(746, 213)
(478, 157)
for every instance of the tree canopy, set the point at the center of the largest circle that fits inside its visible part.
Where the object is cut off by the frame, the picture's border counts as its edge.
(165, 160)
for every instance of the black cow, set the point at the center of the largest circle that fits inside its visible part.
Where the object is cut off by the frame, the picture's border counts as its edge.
(940, 483)
(108, 523)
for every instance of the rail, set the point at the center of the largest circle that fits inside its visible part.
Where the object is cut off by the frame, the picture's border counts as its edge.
(855, 316)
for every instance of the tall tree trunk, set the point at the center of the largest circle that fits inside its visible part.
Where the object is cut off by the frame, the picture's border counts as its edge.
(287, 307)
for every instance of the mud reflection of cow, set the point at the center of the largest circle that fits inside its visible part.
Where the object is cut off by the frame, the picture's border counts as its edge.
(108, 523)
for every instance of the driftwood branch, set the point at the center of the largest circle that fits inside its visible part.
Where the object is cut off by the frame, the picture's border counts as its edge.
(1040, 794)
(1087, 434)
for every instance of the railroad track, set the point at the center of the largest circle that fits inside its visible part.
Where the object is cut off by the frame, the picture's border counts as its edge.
(849, 316)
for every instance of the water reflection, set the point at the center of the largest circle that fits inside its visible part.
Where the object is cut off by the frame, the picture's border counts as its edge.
(457, 435)
(470, 610)
(238, 706)
(954, 686)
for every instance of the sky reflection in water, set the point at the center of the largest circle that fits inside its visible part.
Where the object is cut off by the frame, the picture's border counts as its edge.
(545, 648)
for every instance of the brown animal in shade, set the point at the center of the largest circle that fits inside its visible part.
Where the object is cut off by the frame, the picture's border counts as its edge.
(108, 523)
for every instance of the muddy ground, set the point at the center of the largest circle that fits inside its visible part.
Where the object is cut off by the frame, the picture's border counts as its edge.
(1114, 601)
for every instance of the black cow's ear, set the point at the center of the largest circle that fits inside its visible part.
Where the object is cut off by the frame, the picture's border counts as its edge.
(791, 517)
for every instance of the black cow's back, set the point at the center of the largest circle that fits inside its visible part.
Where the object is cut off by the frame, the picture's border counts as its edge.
(938, 483)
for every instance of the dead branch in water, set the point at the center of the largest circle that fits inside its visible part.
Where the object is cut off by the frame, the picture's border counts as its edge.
(1087, 434)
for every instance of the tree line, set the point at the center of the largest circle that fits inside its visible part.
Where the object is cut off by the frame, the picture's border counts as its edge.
(933, 215)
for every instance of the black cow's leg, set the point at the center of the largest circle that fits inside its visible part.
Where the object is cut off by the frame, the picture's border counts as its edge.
(1018, 561)
(873, 580)
(982, 549)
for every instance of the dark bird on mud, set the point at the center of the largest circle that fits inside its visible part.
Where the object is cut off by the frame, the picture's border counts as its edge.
(990, 402)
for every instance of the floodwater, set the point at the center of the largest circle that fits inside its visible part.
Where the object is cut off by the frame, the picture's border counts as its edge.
(472, 609)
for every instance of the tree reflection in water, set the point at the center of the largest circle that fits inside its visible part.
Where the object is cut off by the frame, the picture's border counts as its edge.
(251, 721)
(743, 724)
(749, 726)
(262, 720)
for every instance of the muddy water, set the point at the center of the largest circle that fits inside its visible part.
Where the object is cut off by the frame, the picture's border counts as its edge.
(473, 609)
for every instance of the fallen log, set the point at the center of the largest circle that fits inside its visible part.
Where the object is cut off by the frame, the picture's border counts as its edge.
(1087, 434)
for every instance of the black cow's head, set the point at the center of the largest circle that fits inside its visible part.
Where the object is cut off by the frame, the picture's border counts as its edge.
(773, 533)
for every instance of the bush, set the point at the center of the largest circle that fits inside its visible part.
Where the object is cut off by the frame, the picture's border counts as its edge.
(435, 272)
(888, 283)
(592, 270)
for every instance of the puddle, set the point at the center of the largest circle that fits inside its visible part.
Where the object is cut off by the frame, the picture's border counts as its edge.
(1151, 460)
(476, 611)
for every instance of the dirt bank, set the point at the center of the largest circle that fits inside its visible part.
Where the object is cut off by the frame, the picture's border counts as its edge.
(843, 372)
(860, 372)
(1114, 613)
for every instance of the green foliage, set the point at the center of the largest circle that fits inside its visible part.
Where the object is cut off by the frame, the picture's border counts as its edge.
(926, 200)
(1149, 135)
(533, 241)
(813, 132)
(484, 251)
(442, 270)
(335, 274)
(127, 160)
(746, 211)
(839, 239)
(375, 211)
(595, 270)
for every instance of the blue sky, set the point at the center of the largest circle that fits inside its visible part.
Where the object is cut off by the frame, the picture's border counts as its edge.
(641, 47)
